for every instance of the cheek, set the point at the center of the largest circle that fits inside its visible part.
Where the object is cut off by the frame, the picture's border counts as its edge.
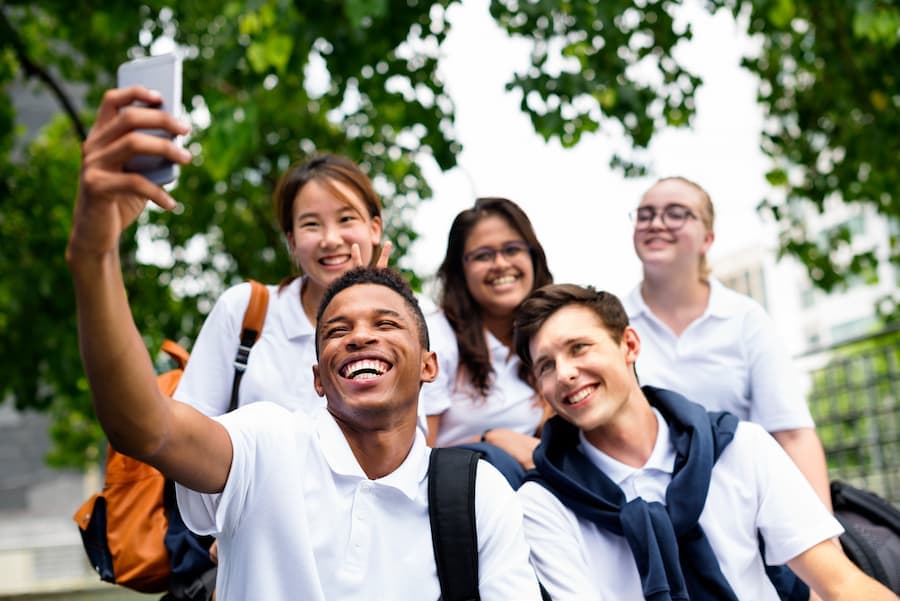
(303, 246)
(362, 235)
(473, 277)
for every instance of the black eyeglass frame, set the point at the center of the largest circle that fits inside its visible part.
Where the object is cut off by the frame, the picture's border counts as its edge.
(491, 253)
(665, 214)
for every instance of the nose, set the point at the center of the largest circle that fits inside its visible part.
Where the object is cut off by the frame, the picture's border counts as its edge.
(566, 370)
(359, 337)
(331, 237)
(500, 259)
(656, 222)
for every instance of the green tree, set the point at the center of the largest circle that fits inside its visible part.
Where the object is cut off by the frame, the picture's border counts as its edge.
(275, 82)
(281, 79)
(829, 87)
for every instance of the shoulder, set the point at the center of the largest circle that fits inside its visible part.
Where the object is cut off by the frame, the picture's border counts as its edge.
(494, 498)
(751, 442)
(440, 331)
(633, 303)
(534, 496)
(264, 417)
(725, 302)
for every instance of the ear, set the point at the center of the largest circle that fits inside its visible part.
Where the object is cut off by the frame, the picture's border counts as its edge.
(289, 242)
(707, 241)
(631, 342)
(429, 369)
(375, 230)
(317, 381)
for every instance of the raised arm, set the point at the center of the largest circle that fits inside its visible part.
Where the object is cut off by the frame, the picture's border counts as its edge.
(139, 421)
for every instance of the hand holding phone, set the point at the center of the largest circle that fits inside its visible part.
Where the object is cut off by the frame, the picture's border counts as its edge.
(163, 74)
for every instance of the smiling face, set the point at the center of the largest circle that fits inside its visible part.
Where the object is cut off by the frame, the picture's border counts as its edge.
(328, 218)
(371, 359)
(500, 284)
(585, 375)
(661, 248)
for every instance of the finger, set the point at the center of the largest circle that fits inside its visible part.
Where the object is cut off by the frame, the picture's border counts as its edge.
(133, 118)
(98, 183)
(385, 254)
(116, 98)
(114, 156)
(356, 255)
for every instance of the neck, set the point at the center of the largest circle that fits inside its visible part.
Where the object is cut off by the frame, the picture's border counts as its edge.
(631, 435)
(676, 301)
(310, 297)
(379, 452)
(500, 327)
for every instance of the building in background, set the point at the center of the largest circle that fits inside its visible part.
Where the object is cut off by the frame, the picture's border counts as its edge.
(808, 318)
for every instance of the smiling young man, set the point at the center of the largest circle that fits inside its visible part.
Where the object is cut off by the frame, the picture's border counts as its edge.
(641, 493)
(331, 505)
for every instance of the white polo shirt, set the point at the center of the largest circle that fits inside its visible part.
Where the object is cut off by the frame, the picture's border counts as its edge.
(298, 518)
(754, 486)
(511, 403)
(279, 368)
(728, 359)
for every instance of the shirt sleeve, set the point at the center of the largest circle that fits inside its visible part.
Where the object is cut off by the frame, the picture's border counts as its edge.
(207, 379)
(790, 516)
(435, 396)
(553, 534)
(778, 402)
(504, 571)
(252, 429)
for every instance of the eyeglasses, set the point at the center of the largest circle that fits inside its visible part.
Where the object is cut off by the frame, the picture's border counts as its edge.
(485, 255)
(673, 217)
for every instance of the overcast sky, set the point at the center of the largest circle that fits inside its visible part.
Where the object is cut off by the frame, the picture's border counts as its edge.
(579, 207)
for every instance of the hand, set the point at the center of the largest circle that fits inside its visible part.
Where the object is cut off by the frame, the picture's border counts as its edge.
(214, 552)
(109, 199)
(520, 446)
(381, 263)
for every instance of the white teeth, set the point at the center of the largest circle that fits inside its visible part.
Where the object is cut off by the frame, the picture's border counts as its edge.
(503, 280)
(364, 369)
(580, 395)
(333, 260)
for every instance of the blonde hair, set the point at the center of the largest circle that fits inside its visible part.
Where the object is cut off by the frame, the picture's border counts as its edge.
(707, 213)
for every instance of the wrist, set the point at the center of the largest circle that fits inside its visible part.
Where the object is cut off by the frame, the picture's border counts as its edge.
(484, 435)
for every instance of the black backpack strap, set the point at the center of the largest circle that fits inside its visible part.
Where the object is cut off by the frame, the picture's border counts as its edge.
(251, 329)
(451, 509)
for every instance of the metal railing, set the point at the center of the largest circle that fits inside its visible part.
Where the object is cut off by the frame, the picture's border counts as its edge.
(854, 395)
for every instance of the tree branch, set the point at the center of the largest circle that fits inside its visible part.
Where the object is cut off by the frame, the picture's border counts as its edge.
(32, 69)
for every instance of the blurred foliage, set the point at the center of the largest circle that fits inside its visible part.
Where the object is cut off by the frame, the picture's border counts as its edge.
(268, 82)
(829, 89)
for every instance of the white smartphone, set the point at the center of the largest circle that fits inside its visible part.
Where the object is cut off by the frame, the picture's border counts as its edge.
(163, 74)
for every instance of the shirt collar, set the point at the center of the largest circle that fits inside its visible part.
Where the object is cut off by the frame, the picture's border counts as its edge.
(662, 457)
(720, 304)
(497, 349)
(293, 317)
(336, 450)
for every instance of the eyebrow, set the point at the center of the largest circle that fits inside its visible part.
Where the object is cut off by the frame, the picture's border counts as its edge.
(376, 312)
(565, 343)
(343, 209)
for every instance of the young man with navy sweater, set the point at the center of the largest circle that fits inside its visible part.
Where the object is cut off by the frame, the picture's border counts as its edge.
(640, 493)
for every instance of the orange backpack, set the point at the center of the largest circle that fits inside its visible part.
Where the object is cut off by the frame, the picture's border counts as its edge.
(123, 526)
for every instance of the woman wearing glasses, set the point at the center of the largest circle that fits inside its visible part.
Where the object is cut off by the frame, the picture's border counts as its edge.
(711, 344)
(493, 261)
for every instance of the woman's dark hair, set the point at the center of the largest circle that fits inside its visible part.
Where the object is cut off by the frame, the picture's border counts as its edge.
(326, 169)
(457, 302)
